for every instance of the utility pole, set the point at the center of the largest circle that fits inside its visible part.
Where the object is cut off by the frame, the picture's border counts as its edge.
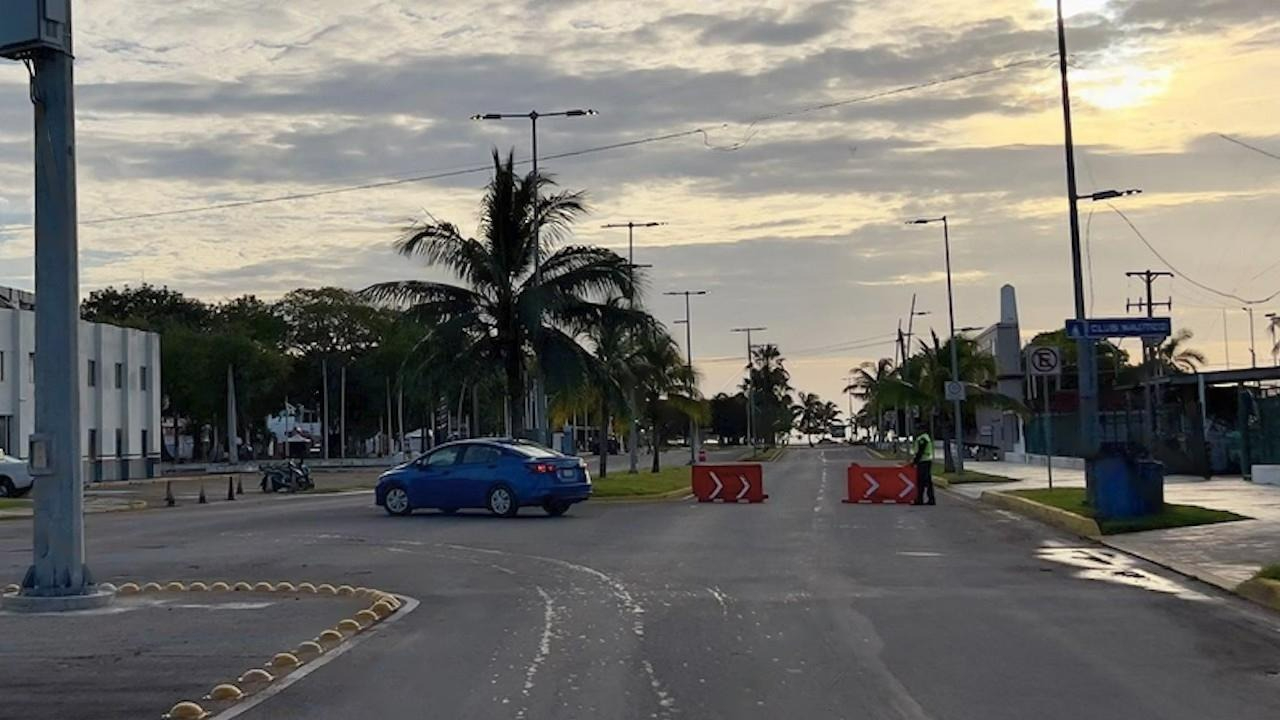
(688, 346)
(751, 438)
(58, 578)
(342, 413)
(633, 451)
(324, 408)
(906, 354)
(1253, 346)
(1149, 278)
(1273, 322)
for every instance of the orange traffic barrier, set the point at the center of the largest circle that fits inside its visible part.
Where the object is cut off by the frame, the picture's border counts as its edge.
(888, 485)
(730, 482)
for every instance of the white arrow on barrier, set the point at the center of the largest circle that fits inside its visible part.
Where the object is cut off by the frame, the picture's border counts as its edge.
(719, 486)
(874, 485)
(746, 485)
(909, 486)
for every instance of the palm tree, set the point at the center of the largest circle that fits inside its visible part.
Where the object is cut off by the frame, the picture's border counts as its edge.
(661, 376)
(1174, 356)
(870, 384)
(769, 394)
(611, 367)
(508, 315)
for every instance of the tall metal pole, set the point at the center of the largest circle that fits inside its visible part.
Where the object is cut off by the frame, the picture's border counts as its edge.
(539, 388)
(1048, 434)
(58, 569)
(633, 436)
(232, 456)
(324, 408)
(688, 345)
(751, 438)
(1253, 347)
(342, 413)
(906, 352)
(955, 351)
(1088, 361)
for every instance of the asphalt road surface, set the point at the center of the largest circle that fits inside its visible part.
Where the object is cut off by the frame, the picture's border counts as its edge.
(799, 607)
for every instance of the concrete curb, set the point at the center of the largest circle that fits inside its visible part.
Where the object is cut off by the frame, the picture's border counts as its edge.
(1046, 514)
(673, 496)
(132, 506)
(1262, 591)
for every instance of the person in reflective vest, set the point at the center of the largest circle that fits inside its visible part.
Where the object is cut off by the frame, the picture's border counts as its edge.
(923, 460)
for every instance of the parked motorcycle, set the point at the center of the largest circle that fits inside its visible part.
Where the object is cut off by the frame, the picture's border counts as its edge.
(289, 477)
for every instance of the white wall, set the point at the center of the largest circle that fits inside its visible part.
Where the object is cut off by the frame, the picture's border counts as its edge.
(103, 406)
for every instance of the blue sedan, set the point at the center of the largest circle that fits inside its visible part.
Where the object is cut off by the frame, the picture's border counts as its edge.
(499, 475)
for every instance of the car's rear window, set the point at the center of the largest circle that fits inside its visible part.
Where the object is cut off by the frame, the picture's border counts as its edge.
(530, 450)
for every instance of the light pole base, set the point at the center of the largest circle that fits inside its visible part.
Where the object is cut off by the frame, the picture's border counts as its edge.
(91, 600)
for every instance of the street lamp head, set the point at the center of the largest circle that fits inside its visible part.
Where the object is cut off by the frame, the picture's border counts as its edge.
(926, 221)
(580, 113)
(1111, 194)
(486, 116)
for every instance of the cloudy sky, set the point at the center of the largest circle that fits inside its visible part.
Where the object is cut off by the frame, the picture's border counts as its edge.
(793, 222)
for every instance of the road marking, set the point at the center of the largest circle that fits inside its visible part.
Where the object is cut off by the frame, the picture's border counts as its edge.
(544, 646)
(410, 604)
(715, 593)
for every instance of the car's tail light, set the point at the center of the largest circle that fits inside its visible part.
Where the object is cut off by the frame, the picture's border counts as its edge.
(544, 468)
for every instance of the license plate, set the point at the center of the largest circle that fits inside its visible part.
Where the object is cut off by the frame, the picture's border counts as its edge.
(568, 474)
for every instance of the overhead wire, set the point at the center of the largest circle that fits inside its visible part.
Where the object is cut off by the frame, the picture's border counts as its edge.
(1184, 276)
(456, 172)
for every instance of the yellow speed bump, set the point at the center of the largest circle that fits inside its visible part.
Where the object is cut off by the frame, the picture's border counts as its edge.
(263, 587)
(309, 650)
(186, 711)
(11, 588)
(105, 587)
(362, 591)
(306, 587)
(346, 590)
(219, 587)
(128, 588)
(198, 587)
(381, 609)
(175, 587)
(255, 677)
(326, 589)
(348, 627)
(284, 661)
(224, 692)
(242, 587)
(329, 638)
(366, 618)
(285, 587)
(152, 587)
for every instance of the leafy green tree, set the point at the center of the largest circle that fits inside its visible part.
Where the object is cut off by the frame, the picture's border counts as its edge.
(729, 417)
(815, 415)
(1175, 357)
(769, 393)
(145, 307)
(506, 313)
(873, 384)
(664, 380)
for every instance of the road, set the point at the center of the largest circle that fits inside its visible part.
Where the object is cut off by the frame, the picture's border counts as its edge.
(800, 607)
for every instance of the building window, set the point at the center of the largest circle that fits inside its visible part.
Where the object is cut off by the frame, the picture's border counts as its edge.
(93, 373)
(146, 449)
(119, 375)
(119, 443)
(1, 366)
(6, 434)
(143, 379)
(31, 367)
(93, 443)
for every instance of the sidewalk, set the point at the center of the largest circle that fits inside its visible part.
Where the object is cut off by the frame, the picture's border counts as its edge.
(1225, 554)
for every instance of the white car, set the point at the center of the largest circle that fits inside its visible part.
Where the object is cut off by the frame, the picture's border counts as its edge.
(15, 479)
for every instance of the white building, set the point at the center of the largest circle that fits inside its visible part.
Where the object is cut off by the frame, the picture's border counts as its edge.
(1003, 341)
(119, 392)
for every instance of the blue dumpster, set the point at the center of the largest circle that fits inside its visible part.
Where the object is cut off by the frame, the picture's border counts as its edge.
(1127, 487)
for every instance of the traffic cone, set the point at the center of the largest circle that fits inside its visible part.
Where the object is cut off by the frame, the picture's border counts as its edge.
(202, 500)
(169, 500)
(239, 486)
(231, 488)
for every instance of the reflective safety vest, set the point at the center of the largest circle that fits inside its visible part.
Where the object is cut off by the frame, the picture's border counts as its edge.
(928, 448)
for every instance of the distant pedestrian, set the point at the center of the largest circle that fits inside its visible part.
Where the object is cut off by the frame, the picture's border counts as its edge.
(923, 460)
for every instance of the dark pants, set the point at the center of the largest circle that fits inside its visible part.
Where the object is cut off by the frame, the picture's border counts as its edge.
(924, 482)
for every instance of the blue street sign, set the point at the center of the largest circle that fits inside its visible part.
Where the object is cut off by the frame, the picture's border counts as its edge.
(1120, 327)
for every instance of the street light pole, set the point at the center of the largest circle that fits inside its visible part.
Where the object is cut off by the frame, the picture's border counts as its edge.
(957, 409)
(1253, 346)
(688, 346)
(1272, 325)
(540, 420)
(751, 438)
(633, 450)
(58, 578)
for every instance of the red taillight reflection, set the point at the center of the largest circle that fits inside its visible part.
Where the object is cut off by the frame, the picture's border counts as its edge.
(544, 468)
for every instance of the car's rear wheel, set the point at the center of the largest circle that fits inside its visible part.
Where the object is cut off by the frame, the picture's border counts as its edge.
(397, 502)
(556, 508)
(7, 489)
(502, 501)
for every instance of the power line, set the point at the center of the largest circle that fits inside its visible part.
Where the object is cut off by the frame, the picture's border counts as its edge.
(1184, 276)
(1246, 145)
(443, 174)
